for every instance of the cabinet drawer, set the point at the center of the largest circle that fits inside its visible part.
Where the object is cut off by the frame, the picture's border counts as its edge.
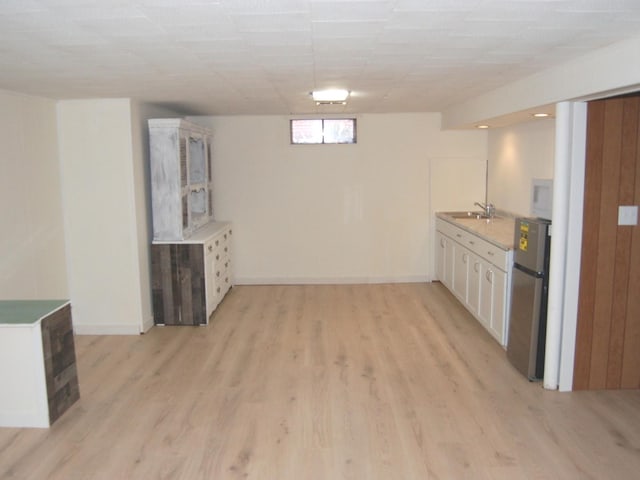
(488, 251)
(449, 230)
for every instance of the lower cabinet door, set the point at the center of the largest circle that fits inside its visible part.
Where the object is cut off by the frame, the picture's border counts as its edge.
(460, 271)
(473, 284)
(444, 264)
(492, 308)
(486, 294)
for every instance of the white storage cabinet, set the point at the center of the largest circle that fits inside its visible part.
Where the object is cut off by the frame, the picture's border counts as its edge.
(478, 273)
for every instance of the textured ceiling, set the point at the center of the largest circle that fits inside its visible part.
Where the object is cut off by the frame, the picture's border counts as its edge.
(264, 56)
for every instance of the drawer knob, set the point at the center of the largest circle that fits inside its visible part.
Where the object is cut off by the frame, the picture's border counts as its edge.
(210, 248)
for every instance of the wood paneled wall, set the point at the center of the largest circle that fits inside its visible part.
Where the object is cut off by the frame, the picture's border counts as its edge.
(608, 334)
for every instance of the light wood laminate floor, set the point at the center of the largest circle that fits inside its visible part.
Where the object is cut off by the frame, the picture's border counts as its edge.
(323, 382)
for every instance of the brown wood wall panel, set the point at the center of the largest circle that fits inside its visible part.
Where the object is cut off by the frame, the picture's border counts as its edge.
(612, 144)
(584, 334)
(608, 335)
(622, 265)
(631, 355)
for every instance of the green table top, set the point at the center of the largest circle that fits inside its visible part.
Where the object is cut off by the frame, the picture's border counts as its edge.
(26, 312)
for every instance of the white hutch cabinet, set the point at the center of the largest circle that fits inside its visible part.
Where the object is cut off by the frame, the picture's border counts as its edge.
(191, 268)
(181, 179)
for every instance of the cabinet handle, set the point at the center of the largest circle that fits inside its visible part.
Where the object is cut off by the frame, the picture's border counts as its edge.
(210, 248)
(489, 276)
(226, 249)
(225, 236)
(490, 253)
(464, 258)
(230, 232)
(458, 235)
(442, 242)
(218, 290)
(471, 242)
(217, 242)
(476, 267)
(218, 257)
(226, 265)
(217, 274)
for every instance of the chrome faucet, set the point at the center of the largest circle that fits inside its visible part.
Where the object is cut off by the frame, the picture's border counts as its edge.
(488, 208)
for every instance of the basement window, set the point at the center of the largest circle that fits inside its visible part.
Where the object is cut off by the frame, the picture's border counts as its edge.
(323, 130)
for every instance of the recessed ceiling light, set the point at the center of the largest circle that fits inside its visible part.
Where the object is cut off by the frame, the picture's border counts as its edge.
(482, 126)
(333, 95)
(541, 115)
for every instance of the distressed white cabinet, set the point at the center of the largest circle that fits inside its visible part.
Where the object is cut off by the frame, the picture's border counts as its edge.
(478, 273)
(181, 177)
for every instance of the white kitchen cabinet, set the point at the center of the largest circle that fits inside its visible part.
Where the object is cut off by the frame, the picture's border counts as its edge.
(181, 178)
(473, 283)
(460, 272)
(478, 273)
(444, 259)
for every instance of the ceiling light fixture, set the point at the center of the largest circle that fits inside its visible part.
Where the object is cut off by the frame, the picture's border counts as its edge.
(541, 115)
(330, 97)
(482, 126)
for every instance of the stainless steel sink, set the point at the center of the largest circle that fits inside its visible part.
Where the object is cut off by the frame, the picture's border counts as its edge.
(469, 214)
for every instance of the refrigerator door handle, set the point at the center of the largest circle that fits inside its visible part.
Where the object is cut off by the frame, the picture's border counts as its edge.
(528, 271)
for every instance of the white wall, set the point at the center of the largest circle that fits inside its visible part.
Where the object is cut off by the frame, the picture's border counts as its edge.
(32, 264)
(517, 154)
(100, 216)
(331, 213)
(140, 113)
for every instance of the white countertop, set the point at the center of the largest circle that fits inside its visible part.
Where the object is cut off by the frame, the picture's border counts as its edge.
(201, 235)
(497, 230)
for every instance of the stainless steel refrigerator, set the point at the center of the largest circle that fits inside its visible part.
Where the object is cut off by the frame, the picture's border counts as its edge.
(529, 292)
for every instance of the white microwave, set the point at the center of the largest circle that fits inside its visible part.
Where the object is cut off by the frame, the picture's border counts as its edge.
(542, 198)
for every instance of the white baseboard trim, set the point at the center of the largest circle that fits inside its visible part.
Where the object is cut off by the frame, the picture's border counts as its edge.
(147, 325)
(106, 329)
(327, 280)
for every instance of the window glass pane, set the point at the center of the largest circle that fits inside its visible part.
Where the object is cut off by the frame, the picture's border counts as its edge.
(339, 131)
(306, 131)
